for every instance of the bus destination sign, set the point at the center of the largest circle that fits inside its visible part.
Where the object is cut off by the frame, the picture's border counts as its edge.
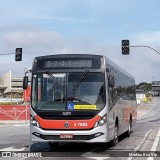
(67, 64)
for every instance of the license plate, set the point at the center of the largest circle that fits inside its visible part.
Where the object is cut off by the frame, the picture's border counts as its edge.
(66, 136)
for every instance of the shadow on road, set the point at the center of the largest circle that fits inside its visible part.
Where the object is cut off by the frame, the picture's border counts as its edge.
(74, 147)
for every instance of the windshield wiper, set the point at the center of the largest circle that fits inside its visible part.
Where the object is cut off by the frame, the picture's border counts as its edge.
(52, 76)
(81, 80)
(49, 73)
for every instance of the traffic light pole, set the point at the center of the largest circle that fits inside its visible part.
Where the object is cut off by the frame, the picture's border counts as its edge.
(18, 54)
(145, 47)
(126, 47)
(6, 54)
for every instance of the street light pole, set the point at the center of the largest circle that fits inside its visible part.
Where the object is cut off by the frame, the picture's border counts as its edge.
(126, 45)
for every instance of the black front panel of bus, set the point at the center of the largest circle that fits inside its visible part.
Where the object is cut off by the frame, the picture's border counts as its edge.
(65, 115)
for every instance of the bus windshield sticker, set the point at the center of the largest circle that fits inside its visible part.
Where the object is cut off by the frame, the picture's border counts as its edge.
(70, 106)
(93, 107)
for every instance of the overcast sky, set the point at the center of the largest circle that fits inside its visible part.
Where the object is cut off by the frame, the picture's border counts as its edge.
(81, 26)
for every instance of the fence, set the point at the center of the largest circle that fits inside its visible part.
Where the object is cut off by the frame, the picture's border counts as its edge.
(14, 112)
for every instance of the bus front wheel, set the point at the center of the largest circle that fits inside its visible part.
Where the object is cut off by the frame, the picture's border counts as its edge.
(115, 139)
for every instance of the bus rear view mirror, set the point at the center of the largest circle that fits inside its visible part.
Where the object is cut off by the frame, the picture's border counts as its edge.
(111, 81)
(25, 82)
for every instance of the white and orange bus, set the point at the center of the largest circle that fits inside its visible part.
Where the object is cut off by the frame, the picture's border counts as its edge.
(80, 98)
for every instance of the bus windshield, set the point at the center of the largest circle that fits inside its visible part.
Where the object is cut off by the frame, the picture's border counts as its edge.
(68, 91)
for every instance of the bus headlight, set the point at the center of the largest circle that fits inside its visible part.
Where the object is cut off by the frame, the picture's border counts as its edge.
(101, 122)
(34, 122)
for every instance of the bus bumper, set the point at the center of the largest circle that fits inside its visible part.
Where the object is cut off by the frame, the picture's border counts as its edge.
(96, 135)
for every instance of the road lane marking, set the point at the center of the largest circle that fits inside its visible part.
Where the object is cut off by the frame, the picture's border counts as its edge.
(12, 149)
(141, 143)
(151, 115)
(155, 144)
(146, 135)
(144, 113)
(151, 108)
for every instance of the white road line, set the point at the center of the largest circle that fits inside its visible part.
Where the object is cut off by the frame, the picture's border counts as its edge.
(144, 113)
(141, 143)
(12, 149)
(155, 143)
(151, 108)
(146, 117)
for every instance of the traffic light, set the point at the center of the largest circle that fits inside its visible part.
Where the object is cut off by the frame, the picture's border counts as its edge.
(18, 54)
(125, 47)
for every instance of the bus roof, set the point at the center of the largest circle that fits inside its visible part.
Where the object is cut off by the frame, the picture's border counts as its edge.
(69, 56)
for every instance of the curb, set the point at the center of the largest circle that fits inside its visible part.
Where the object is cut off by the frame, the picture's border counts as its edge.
(14, 122)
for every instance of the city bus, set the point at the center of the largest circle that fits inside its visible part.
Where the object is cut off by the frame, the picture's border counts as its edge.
(80, 98)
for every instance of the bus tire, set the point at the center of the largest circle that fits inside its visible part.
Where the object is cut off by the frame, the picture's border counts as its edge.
(115, 139)
(128, 133)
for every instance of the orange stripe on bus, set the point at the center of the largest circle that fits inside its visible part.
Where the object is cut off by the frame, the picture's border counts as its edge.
(73, 124)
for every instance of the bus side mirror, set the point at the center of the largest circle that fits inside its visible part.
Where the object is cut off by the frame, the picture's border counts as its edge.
(111, 81)
(25, 82)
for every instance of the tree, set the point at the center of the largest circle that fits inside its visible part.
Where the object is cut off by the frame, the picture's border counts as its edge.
(146, 86)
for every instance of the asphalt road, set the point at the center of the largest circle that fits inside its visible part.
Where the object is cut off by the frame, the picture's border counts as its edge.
(144, 139)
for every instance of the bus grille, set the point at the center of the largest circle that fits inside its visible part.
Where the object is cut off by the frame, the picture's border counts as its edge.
(75, 137)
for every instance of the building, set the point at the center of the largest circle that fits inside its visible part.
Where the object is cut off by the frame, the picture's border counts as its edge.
(156, 88)
(11, 86)
(140, 96)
